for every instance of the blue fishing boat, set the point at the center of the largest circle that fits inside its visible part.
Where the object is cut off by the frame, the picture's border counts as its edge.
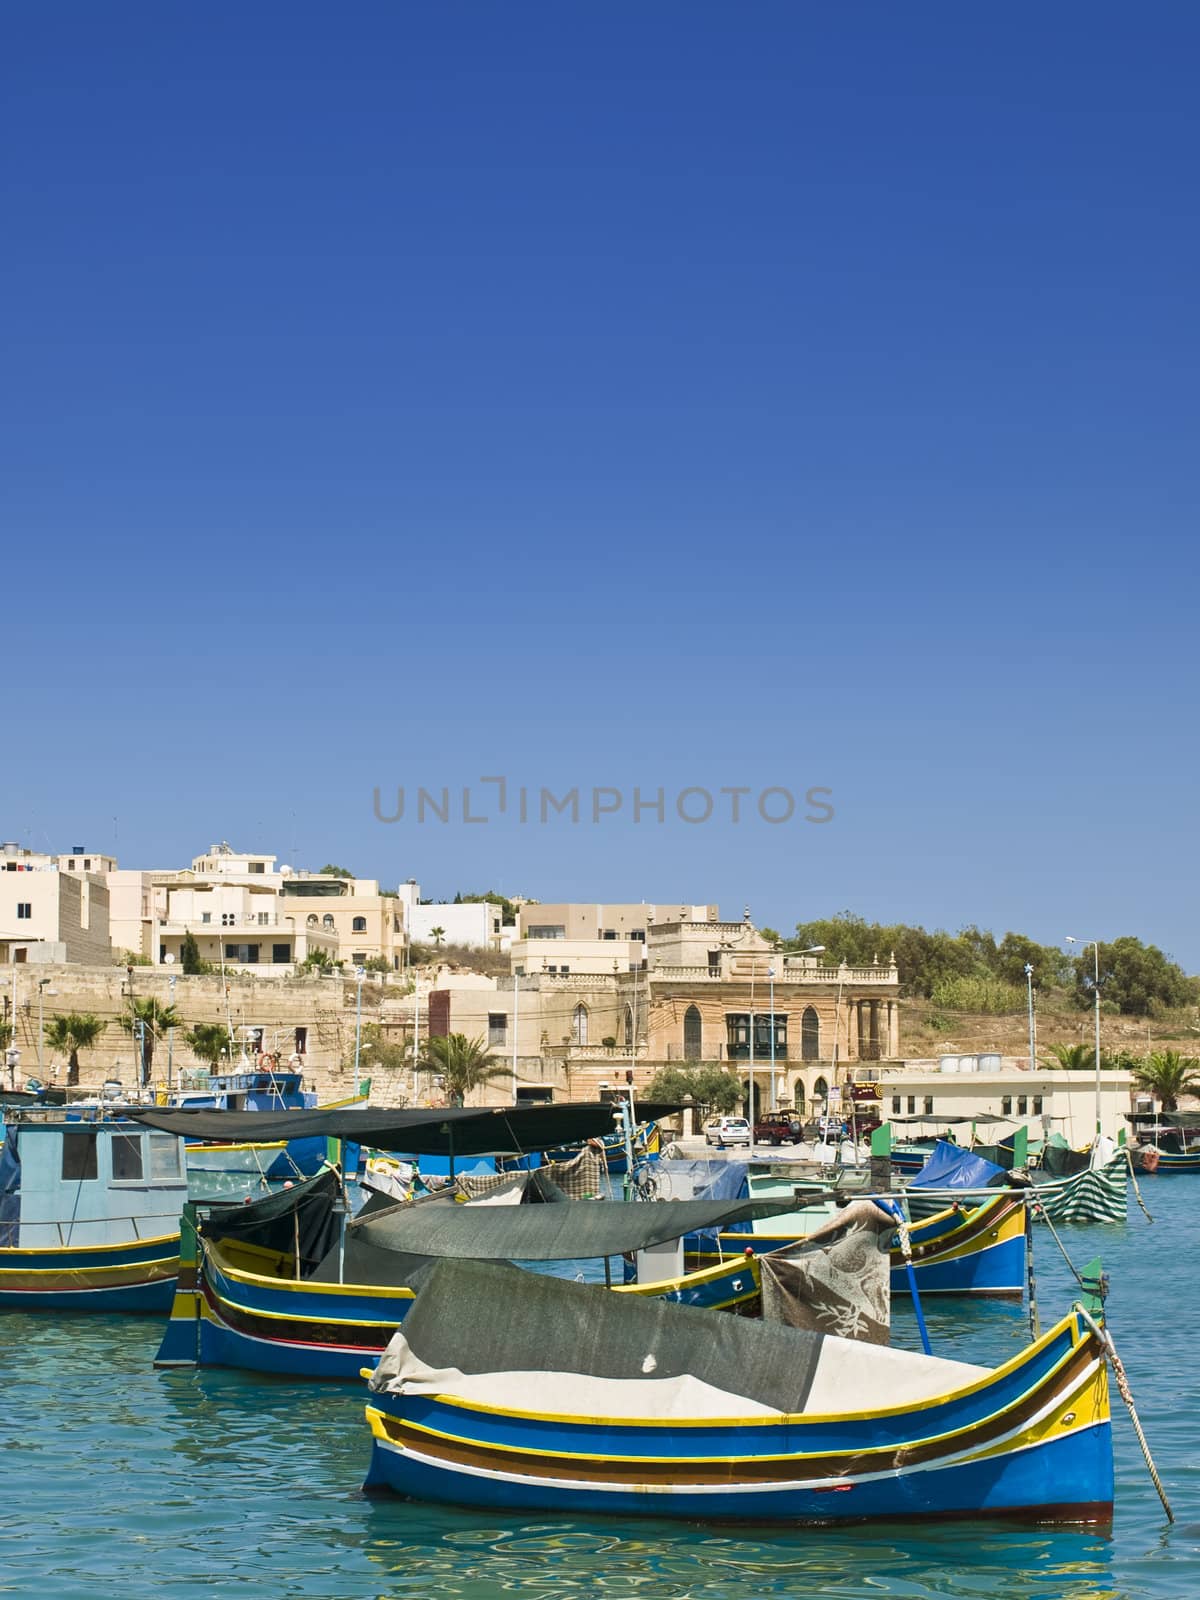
(961, 1249)
(547, 1396)
(89, 1214)
(257, 1089)
(290, 1285)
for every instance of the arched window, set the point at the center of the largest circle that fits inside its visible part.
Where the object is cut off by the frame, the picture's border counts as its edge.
(693, 1034)
(359, 925)
(798, 1096)
(628, 1039)
(810, 1036)
(821, 1092)
(312, 919)
(579, 1025)
(327, 920)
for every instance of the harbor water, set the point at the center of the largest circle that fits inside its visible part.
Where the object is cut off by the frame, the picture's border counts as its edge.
(121, 1480)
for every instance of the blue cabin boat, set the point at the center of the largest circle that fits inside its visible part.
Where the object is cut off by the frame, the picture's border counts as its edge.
(89, 1214)
(252, 1089)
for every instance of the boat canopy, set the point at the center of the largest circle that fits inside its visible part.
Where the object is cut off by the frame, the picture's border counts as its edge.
(478, 1317)
(951, 1167)
(584, 1231)
(445, 1131)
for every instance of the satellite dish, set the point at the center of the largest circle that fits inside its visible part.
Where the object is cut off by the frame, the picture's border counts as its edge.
(169, 959)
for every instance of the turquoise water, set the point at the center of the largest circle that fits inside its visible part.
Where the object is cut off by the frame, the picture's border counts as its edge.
(116, 1479)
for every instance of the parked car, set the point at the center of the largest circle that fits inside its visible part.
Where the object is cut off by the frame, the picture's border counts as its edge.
(778, 1127)
(727, 1130)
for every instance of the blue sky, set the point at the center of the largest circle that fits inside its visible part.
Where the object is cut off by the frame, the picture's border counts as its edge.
(674, 396)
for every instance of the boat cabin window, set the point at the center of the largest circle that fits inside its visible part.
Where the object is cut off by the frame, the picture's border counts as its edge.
(79, 1153)
(164, 1158)
(126, 1157)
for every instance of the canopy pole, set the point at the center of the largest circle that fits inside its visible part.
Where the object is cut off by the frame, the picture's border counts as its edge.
(906, 1248)
(607, 1273)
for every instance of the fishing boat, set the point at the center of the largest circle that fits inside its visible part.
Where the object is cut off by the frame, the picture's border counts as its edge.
(960, 1249)
(1166, 1141)
(89, 1213)
(291, 1285)
(252, 1088)
(506, 1392)
(1097, 1194)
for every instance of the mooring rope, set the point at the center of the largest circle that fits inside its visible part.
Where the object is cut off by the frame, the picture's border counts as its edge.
(1137, 1192)
(1037, 1205)
(1126, 1393)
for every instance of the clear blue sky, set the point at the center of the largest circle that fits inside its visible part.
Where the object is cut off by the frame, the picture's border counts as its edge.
(674, 395)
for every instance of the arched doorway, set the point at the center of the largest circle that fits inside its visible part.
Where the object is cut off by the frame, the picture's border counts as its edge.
(754, 1096)
(798, 1097)
(810, 1036)
(693, 1034)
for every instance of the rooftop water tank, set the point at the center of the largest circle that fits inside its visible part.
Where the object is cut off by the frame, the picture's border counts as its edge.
(990, 1062)
(948, 1064)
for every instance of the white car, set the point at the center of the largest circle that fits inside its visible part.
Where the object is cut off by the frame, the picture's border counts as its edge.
(727, 1130)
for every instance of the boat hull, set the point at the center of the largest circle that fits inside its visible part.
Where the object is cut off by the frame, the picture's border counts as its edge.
(225, 1317)
(981, 1251)
(138, 1276)
(1033, 1440)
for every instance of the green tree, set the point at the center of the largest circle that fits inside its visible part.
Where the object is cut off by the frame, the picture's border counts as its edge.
(190, 958)
(318, 960)
(1050, 966)
(1167, 1075)
(463, 1064)
(209, 1041)
(147, 1020)
(74, 1031)
(1136, 978)
(710, 1086)
(1072, 1057)
(329, 870)
(437, 935)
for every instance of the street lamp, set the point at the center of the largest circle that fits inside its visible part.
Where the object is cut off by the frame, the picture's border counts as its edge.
(359, 974)
(516, 1009)
(1029, 989)
(43, 984)
(171, 982)
(1096, 994)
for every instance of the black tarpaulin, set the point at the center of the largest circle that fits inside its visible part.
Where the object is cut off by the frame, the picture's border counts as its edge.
(449, 1131)
(551, 1233)
(302, 1214)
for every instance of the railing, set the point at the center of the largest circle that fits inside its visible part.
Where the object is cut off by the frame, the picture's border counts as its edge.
(783, 974)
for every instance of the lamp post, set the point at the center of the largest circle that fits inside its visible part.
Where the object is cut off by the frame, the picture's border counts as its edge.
(359, 974)
(771, 1002)
(43, 984)
(1096, 995)
(516, 1013)
(171, 982)
(1029, 989)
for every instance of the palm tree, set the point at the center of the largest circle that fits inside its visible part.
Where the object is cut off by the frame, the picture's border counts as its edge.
(463, 1064)
(74, 1031)
(1082, 1058)
(1073, 1057)
(1167, 1075)
(209, 1041)
(153, 1017)
(437, 935)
